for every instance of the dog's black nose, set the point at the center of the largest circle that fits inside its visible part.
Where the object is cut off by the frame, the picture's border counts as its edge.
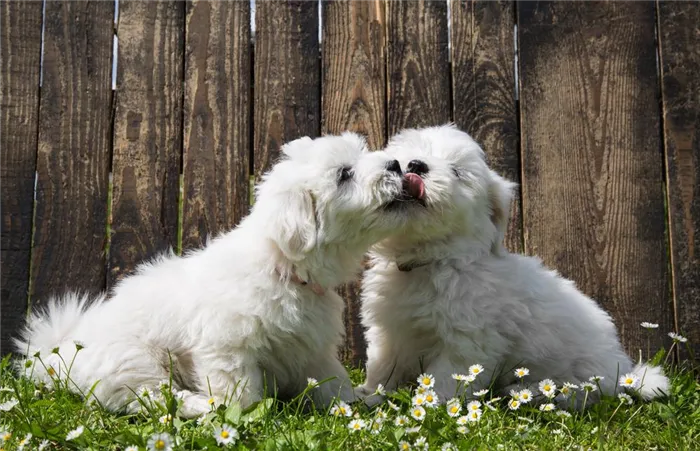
(393, 166)
(417, 167)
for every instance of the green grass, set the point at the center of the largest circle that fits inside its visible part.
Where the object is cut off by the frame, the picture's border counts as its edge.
(670, 423)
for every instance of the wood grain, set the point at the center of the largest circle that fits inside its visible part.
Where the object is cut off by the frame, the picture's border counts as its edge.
(147, 132)
(74, 147)
(217, 118)
(354, 89)
(20, 55)
(593, 203)
(679, 36)
(418, 72)
(287, 77)
(483, 90)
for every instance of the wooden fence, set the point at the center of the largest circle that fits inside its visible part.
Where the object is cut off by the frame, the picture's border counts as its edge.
(598, 119)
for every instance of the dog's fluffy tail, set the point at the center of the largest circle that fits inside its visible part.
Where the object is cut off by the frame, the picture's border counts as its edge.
(652, 379)
(52, 329)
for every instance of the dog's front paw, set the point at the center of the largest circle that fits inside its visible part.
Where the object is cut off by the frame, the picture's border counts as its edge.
(363, 391)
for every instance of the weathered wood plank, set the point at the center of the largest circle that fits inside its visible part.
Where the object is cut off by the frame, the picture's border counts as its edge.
(217, 118)
(483, 90)
(20, 55)
(147, 132)
(74, 148)
(679, 36)
(287, 77)
(354, 89)
(593, 204)
(417, 65)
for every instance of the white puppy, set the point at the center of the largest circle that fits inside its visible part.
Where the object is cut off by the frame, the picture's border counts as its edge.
(253, 310)
(444, 294)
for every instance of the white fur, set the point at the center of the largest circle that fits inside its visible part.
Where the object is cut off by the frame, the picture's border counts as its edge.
(230, 317)
(470, 301)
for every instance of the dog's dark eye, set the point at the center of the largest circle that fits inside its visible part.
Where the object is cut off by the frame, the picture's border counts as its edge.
(344, 174)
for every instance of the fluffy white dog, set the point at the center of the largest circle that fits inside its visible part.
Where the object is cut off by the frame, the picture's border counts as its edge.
(253, 310)
(444, 294)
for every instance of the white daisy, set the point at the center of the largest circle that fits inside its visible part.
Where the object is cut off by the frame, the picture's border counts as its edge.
(474, 415)
(131, 448)
(515, 394)
(311, 382)
(166, 419)
(202, 419)
(357, 425)
(447, 446)
(418, 400)
(413, 430)
(226, 434)
(8, 405)
(145, 392)
(557, 432)
(420, 390)
(471, 378)
(401, 421)
(481, 393)
(24, 442)
(473, 406)
(476, 369)
(418, 413)
(421, 443)
(588, 386)
(525, 396)
(431, 398)
(647, 325)
(489, 406)
(567, 388)
(376, 427)
(521, 372)
(462, 429)
(454, 407)
(426, 380)
(461, 421)
(380, 390)
(460, 377)
(160, 442)
(547, 407)
(629, 380)
(677, 338)
(548, 388)
(393, 406)
(514, 404)
(341, 409)
(381, 415)
(404, 445)
(625, 398)
(563, 413)
(75, 433)
(5, 435)
(45, 444)
(596, 378)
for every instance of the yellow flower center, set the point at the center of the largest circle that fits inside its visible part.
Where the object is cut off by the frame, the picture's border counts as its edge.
(475, 415)
(7, 436)
(514, 403)
(547, 387)
(454, 409)
(51, 371)
(224, 434)
(417, 412)
(405, 446)
(211, 401)
(628, 380)
(426, 381)
(356, 426)
(429, 398)
(419, 401)
(341, 410)
(159, 444)
(475, 371)
(525, 396)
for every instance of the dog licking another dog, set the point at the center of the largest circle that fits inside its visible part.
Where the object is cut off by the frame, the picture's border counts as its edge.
(256, 310)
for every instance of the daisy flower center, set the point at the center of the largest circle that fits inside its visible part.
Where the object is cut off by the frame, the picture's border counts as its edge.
(547, 387)
(417, 413)
(159, 444)
(224, 434)
(426, 381)
(454, 409)
(629, 380)
(51, 371)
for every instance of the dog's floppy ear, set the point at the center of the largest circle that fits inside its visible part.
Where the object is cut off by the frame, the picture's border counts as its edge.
(293, 226)
(500, 192)
(297, 149)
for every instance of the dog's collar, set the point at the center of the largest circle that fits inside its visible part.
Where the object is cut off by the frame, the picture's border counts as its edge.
(410, 266)
(313, 286)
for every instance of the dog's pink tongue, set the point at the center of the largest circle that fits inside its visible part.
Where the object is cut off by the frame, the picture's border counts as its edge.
(414, 185)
